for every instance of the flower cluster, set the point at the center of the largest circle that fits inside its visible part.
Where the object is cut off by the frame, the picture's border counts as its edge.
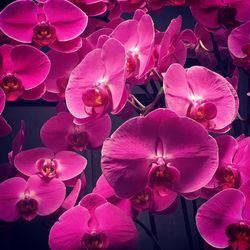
(176, 139)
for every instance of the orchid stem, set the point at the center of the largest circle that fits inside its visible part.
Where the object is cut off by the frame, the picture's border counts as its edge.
(152, 104)
(157, 75)
(149, 233)
(217, 55)
(140, 105)
(135, 106)
(187, 223)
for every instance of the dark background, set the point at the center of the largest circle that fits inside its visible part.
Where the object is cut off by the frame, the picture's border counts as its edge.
(172, 230)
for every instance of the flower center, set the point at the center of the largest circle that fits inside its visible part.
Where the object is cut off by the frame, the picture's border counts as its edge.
(239, 236)
(132, 64)
(228, 177)
(202, 111)
(163, 176)
(47, 168)
(27, 206)
(78, 140)
(12, 87)
(226, 17)
(44, 34)
(142, 200)
(246, 49)
(95, 241)
(97, 100)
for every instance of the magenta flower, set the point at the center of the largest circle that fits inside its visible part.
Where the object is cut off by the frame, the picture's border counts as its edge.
(171, 49)
(215, 14)
(26, 199)
(92, 92)
(161, 150)
(146, 200)
(60, 133)
(201, 94)
(93, 224)
(224, 219)
(63, 165)
(22, 69)
(137, 36)
(54, 23)
(239, 45)
(234, 165)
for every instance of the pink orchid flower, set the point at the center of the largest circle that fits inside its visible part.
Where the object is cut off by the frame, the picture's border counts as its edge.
(234, 165)
(93, 224)
(22, 70)
(132, 5)
(26, 199)
(239, 45)
(63, 165)
(60, 133)
(202, 95)
(137, 36)
(215, 14)
(146, 200)
(224, 220)
(53, 23)
(92, 93)
(162, 151)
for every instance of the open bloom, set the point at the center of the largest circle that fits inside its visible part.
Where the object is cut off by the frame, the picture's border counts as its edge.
(22, 70)
(60, 133)
(53, 23)
(215, 14)
(161, 150)
(146, 200)
(239, 45)
(63, 165)
(92, 225)
(202, 95)
(26, 199)
(234, 165)
(97, 84)
(224, 220)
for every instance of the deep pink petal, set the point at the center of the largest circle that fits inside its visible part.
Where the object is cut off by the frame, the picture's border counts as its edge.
(18, 19)
(2, 101)
(70, 46)
(30, 65)
(25, 161)
(215, 215)
(68, 232)
(70, 164)
(227, 148)
(5, 128)
(245, 188)
(35, 93)
(10, 192)
(48, 194)
(70, 201)
(68, 20)
(92, 201)
(118, 227)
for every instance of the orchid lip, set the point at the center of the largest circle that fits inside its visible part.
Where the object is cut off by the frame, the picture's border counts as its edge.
(44, 34)
(47, 168)
(27, 207)
(12, 87)
(239, 235)
(95, 241)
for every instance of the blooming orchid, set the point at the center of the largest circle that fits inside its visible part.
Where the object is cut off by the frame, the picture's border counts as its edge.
(26, 199)
(54, 23)
(86, 227)
(202, 95)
